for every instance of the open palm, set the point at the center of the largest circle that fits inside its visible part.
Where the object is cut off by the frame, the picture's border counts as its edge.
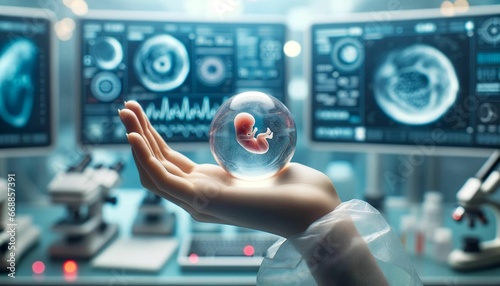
(285, 204)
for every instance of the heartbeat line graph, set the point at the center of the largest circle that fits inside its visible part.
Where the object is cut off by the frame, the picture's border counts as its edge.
(184, 111)
(184, 130)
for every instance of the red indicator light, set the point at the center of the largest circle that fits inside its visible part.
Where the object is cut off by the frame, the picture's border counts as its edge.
(193, 258)
(70, 267)
(248, 250)
(38, 267)
(458, 214)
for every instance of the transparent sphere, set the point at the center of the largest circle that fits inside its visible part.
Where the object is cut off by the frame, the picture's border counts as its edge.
(252, 136)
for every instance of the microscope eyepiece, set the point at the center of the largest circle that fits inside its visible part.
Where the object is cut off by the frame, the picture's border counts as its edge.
(78, 168)
(489, 166)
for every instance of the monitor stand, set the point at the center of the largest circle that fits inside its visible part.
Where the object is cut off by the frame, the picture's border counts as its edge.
(407, 174)
(153, 218)
(373, 189)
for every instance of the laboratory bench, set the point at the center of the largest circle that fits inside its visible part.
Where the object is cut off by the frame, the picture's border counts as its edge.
(44, 215)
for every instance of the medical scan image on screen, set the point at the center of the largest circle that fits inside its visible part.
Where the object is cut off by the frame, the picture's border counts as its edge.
(415, 85)
(401, 82)
(180, 73)
(415, 82)
(24, 83)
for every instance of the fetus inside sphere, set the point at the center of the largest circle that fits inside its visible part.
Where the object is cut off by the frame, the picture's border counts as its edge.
(253, 136)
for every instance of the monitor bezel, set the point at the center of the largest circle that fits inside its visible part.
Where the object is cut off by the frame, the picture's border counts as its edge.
(385, 16)
(45, 14)
(149, 16)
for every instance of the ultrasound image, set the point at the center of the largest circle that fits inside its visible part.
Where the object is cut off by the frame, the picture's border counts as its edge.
(17, 92)
(162, 63)
(108, 53)
(415, 85)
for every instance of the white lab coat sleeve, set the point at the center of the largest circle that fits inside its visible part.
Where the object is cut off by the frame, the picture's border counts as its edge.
(284, 264)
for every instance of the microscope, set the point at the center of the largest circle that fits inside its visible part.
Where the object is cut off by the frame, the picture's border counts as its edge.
(153, 218)
(475, 193)
(84, 190)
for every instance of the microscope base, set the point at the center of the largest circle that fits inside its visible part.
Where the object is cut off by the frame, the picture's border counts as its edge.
(488, 256)
(25, 240)
(85, 248)
(162, 225)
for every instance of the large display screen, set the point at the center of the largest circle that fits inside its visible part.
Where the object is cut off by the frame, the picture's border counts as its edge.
(407, 82)
(180, 72)
(25, 82)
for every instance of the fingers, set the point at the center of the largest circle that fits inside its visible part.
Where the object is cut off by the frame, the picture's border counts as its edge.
(130, 121)
(148, 183)
(132, 124)
(165, 181)
(135, 123)
(161, 169)
(181, 161)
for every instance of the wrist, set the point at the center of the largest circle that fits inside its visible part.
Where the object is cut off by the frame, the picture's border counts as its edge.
(335, 252)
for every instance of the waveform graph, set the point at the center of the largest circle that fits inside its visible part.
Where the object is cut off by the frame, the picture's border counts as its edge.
(173, 131)
(181, 119)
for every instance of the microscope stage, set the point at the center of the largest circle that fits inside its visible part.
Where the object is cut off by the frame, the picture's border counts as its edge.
(86, 247)
(162, 224)
(71, 227)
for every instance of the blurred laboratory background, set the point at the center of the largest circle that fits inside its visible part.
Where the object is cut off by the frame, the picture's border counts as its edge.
(397, 101)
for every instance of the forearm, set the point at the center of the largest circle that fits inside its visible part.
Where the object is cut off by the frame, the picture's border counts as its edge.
(341, 257)
(352, 245)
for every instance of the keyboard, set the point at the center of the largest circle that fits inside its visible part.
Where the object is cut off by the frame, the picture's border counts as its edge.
(224, 251)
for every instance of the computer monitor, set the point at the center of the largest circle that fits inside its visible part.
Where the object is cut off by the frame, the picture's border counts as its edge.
(180, 71)
(394, 82)
(27, 94)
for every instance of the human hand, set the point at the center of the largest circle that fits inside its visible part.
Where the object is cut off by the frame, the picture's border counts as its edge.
(285, 204)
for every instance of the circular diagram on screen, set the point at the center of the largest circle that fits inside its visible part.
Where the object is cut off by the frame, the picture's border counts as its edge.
(415, 85)
(17, 92)
(347, 54)
(106, 86)
(490, 31)
(107, 52)
(161, 63)
(212, 71)
(487, 113)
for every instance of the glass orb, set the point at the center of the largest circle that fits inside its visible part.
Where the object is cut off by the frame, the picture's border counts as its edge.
(252, 136)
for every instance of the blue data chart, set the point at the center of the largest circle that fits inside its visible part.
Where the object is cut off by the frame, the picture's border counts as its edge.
(180, 73)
